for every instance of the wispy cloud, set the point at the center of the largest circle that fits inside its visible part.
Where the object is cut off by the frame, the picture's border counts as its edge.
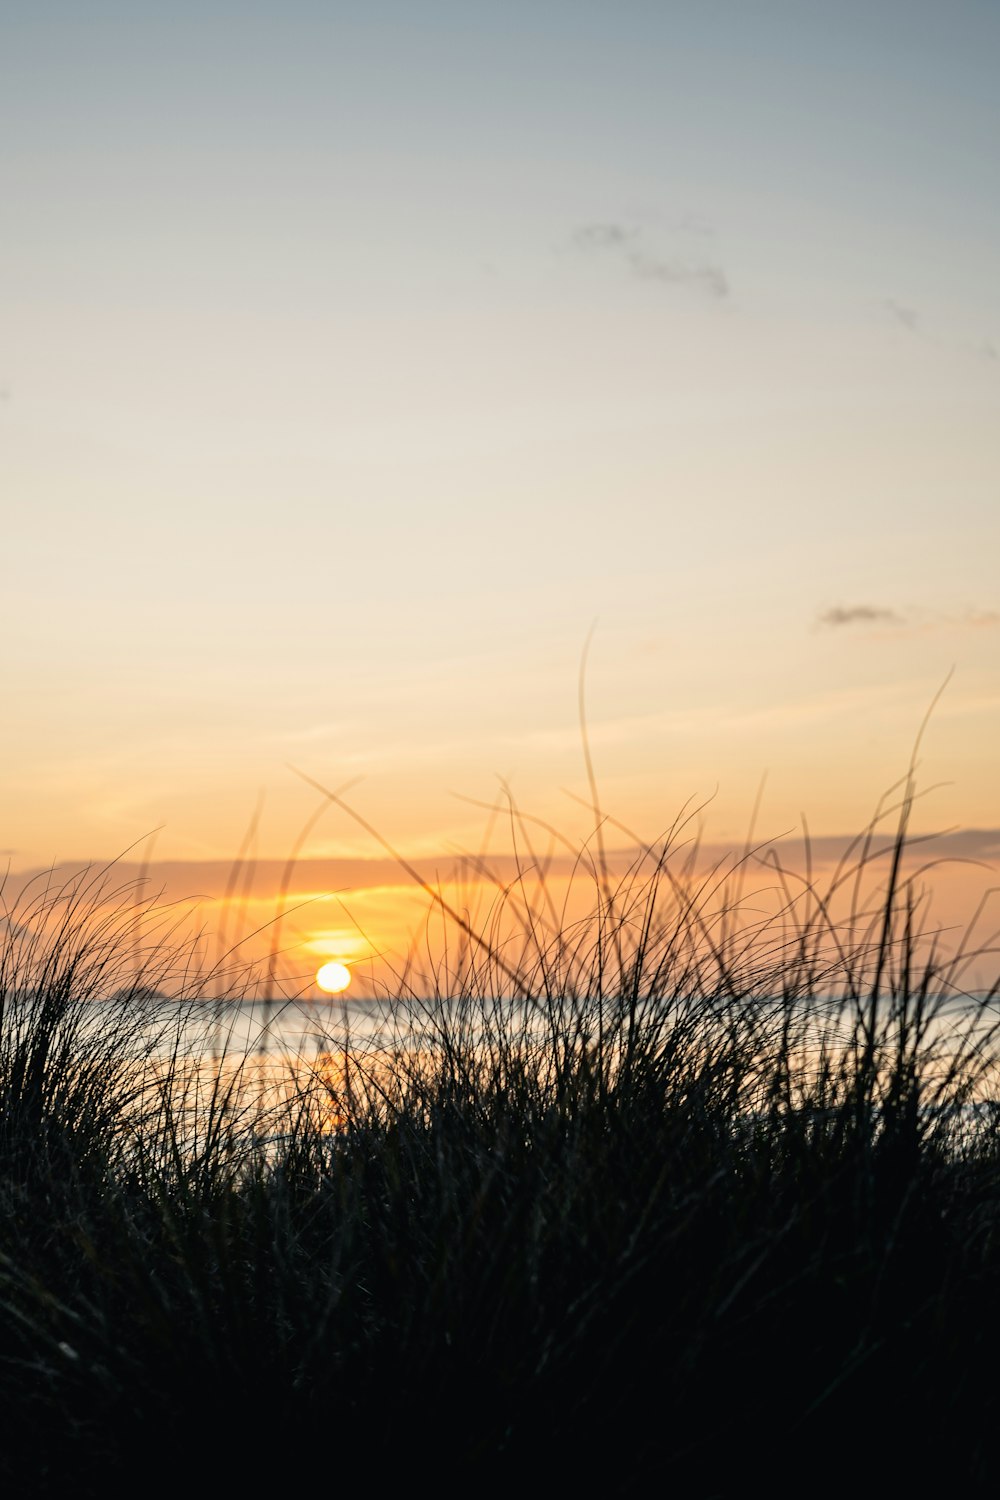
(916, 620)
(628, 247)
(909, 320)
(860, 614)
(601, 236)
(708, 277)
(904, 317)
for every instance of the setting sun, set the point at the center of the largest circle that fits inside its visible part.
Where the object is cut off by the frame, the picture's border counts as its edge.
(333, 978)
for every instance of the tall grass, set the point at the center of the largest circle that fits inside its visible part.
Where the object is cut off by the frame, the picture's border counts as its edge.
(700, 1190)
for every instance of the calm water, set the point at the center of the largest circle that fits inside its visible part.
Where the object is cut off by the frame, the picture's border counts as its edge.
(305, 1028)
(293, 1028)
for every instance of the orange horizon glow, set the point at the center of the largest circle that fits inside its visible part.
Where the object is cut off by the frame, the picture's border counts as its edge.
(281, 931)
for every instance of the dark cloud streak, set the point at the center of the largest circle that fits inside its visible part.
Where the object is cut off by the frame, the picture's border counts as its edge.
(859, 614)
(914, 619)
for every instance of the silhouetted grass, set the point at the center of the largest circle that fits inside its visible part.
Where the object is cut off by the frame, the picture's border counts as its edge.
(692, 1193)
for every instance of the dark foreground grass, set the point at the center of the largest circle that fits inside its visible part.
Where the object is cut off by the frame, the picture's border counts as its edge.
(676, 1197)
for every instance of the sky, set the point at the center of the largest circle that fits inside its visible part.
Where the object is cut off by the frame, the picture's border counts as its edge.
(359, 364)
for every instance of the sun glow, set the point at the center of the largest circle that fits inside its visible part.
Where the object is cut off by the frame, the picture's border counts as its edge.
(333, 978)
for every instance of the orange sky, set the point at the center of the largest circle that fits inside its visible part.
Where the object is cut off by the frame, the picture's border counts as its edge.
(376, 916)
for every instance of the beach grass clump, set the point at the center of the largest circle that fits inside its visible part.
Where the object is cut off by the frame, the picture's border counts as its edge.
(701, 1189)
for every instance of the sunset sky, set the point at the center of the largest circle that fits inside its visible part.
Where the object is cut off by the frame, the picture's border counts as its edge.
(356, 359)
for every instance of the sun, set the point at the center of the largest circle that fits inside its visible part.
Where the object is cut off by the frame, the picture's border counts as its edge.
(333, 978)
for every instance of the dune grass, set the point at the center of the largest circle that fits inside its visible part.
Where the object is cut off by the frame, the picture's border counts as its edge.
(696, 1192)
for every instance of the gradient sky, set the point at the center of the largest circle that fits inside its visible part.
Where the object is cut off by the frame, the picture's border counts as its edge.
(355, 359)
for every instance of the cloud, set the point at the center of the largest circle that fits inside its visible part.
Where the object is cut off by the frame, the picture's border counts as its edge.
(904, 317)
(917, 620)
(860, 614)
(708, 277)
(601, 236)
(911, 321)
(645, 265)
